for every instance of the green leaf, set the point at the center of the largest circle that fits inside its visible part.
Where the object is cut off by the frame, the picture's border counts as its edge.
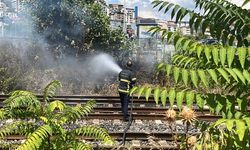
(218, 108)
(232, 73)
(240, 75)
(168, 7)
(164, 34)
(168, 69)
(213, 75)
(230, 55)
(163, 5)
(197, 23)
(207, 53)
(242, 53)
(200, 101)
(154, 29)
(156, 3)
(203, 77)
(148, 93)
(194, 78)
(190, 98)
(176, 74)
(219, 122)
(199, 50)
(140, 91)
(185, 46)
(179, 42)
(224, 74)
(230, 124)
(240, 129)
(223, 56)
(56, 104)
(246, 75)
(133, 90)
(237, 115)
(176, 37)
(193, 47)
(180, 99)
(205, 24)
(189, 61)
(184, 59)
(245, 2)
(176, 7)
(181, 13)
(50, 90)
(192, 18)
(185, 76)
(164, 97)
(156, 95)
(172, 97)
(215, 53)
(242, 103)
(175, 58)
(160, 66)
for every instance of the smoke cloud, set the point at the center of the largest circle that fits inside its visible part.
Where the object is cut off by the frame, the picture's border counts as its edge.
(39, 65)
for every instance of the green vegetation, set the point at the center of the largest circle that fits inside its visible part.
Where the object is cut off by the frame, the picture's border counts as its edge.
(10, 73)
(214, 75)
(76, 27)
(55, 33)
(48, 122)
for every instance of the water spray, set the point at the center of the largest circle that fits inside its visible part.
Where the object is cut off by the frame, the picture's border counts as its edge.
(104, 63)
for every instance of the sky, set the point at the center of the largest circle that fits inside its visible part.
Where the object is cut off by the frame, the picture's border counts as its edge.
(146, 10)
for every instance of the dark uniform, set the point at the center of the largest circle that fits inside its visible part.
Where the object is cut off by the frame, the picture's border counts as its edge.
(127, 79)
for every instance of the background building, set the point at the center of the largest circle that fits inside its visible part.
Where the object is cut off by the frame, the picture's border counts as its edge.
(121, 17)
(9, 10)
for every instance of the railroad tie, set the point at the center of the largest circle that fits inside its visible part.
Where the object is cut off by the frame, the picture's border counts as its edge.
(137, 121)
(163, 143)
(96, 121)
(179, 122)
(158, 122)
(142, 105)
(117, 121)
(136, 143)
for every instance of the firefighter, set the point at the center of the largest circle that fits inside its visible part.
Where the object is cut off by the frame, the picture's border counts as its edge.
(127, 80)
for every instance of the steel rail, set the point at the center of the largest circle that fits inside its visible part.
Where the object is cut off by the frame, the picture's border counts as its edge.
(81, 99)
(112, 116)
(159, 110)
(117, 136)
(143, 113)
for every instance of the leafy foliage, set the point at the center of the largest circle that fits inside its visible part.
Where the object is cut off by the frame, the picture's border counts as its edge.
(224, 19)
(10, 72)
(50, 89)
(75, 27)
(198, 69)
(48, 130)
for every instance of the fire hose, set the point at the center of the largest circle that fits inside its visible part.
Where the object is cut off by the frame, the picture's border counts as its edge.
(129, 123)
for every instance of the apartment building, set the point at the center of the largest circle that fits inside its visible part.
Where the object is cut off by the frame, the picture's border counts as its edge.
(121, 17)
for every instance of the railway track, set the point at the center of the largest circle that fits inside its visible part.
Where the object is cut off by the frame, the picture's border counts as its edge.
(108, 108)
